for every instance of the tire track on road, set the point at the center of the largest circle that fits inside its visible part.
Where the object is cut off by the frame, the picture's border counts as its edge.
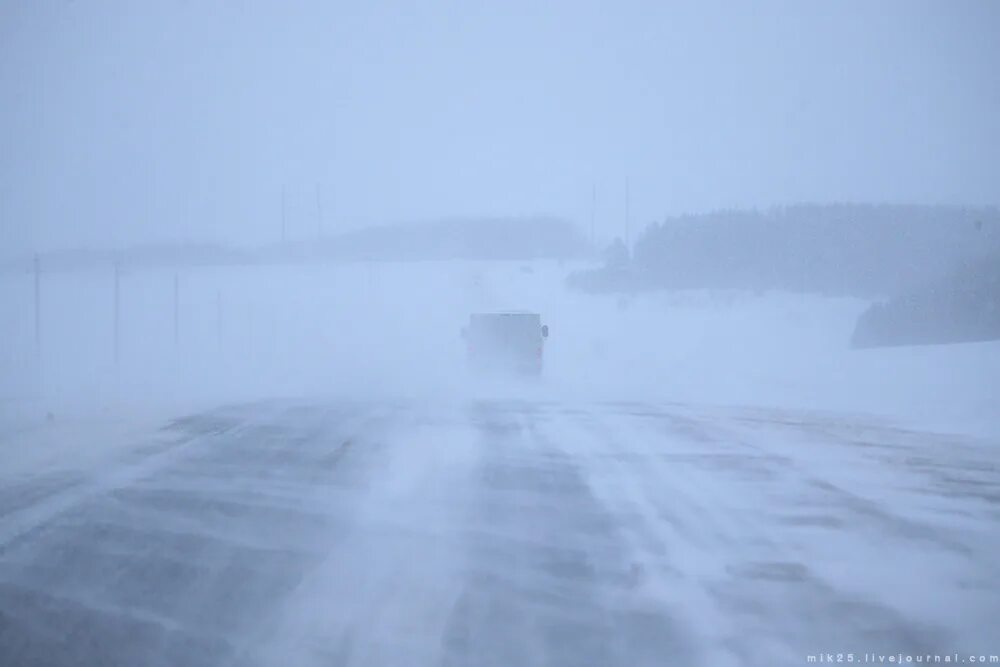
(551, 581)
(759, 586)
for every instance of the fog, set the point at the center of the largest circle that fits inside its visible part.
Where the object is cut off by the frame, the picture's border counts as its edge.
(243, 421)
(181, 121)
(195, 337)
(241, 126)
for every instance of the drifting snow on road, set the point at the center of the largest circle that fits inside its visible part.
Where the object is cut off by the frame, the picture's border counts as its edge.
(505, 533)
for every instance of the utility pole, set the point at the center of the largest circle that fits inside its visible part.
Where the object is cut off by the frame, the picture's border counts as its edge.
(319, 212)
(117, 311)
(38, 306)
(627, 222)
(218, 317)
(593, 214)
(177, 309)
(283, 216)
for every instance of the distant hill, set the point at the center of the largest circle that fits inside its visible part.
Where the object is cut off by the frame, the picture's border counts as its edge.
(151, 255)
(871, 251)
(488, 238)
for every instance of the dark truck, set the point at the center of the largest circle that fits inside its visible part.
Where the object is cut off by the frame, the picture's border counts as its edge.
(506, 342)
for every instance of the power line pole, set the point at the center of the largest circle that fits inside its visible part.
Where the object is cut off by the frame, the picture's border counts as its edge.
(593, 214)
(218, 318)
(283, 216)
(628, 240)
(319, 212)
(38, 306)
(117, 311)
(177, 310)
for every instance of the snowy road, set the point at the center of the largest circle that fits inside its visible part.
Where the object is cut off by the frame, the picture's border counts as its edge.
(504, 533)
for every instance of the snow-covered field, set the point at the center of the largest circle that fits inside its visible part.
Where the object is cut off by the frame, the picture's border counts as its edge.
(699, 478)
(393, 330)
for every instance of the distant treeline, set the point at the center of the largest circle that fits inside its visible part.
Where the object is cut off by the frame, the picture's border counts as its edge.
(842, 249)
(493, 238)
(963, 307)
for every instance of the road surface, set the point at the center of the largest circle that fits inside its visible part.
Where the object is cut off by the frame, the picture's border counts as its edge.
(504, 533)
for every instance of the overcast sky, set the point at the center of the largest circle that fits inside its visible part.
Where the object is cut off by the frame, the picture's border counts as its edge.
(131, 122)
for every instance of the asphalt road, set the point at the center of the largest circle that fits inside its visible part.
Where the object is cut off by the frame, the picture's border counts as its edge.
(505, 533)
